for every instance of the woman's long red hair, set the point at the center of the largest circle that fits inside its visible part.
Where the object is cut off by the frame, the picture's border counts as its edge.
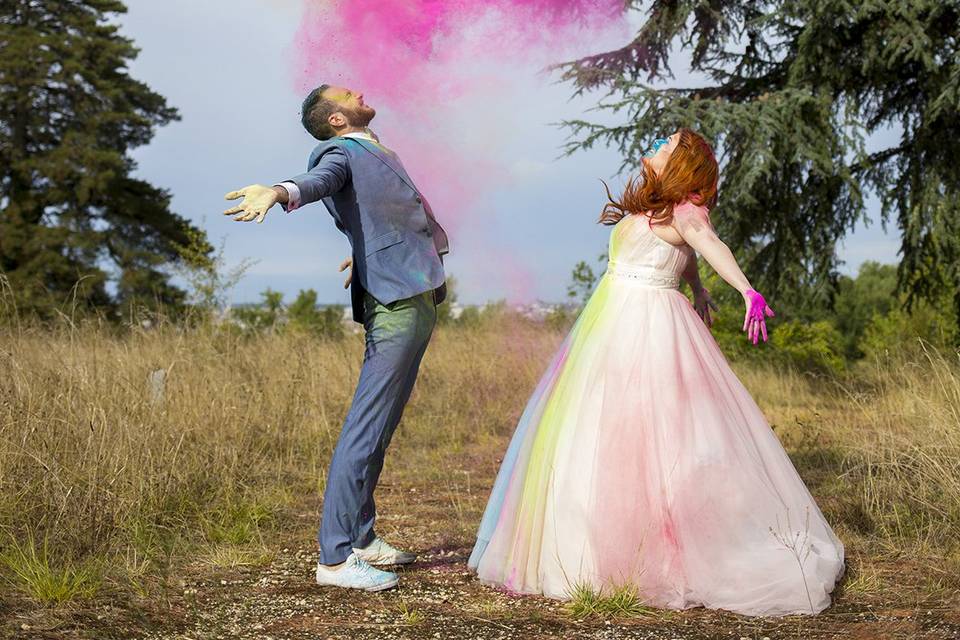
(689, 174)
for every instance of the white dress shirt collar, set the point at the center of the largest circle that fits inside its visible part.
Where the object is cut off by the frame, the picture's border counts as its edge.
(363, 135)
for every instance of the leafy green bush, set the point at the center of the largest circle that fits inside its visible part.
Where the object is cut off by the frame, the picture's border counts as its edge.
(815, 346)
(867, 319)
(898, 331)
(561, 318)
(265, 317)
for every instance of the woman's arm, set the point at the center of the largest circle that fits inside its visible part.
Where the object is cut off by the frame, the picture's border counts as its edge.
(693, 225)
(692, 275)
(702, 302)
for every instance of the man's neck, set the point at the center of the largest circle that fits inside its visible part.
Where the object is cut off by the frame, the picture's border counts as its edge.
(363, 132)
(353, 130)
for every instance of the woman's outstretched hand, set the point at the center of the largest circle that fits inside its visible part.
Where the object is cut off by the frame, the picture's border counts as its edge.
(702, 303)
(754, 320)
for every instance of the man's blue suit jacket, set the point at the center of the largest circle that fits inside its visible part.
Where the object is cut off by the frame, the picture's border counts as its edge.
(396, 241)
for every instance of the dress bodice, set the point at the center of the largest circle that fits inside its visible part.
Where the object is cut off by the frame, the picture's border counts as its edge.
(636, 252)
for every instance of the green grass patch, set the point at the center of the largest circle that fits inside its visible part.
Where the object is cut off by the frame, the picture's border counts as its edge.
(237, 523)
(621, 602)
(410, 616)
(33, 571)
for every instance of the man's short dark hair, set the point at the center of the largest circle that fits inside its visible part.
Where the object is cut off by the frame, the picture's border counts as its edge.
(315, 113)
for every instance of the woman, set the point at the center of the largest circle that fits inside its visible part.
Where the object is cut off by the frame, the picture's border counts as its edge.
(641, 460)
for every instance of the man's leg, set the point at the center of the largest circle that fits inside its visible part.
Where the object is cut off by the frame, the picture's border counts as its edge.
(368, 513)
(395, 338)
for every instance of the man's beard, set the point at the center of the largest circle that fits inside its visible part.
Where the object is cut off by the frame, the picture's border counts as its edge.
(359, 117)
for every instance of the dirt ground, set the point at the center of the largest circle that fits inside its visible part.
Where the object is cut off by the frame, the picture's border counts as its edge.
(439, 599)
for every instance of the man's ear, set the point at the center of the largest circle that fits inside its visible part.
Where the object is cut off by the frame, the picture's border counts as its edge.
(337, 120)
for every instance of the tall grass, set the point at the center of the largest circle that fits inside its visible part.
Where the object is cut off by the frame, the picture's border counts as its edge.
(907, 464)
(880, 446)
(98, 464)
(104, 477)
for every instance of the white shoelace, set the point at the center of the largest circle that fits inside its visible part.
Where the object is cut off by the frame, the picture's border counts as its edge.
(364, 567)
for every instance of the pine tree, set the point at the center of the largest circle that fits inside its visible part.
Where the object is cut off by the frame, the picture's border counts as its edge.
(72, 219)
(792, 91)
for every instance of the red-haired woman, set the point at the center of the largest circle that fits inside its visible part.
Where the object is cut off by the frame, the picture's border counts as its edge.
(641, 460)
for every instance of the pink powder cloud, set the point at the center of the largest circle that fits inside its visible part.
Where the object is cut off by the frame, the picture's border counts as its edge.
(426, 64)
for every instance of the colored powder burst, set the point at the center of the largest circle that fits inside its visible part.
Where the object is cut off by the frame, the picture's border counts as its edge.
(390, 47)
(430, 66)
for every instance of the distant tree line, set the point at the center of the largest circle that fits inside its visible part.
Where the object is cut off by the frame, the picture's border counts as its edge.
(303, 315)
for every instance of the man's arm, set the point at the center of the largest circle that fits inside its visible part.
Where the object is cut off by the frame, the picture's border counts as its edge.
(325, 178)
(284, 195)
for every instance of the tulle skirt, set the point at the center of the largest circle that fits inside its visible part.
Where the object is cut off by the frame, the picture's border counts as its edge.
(642, 461)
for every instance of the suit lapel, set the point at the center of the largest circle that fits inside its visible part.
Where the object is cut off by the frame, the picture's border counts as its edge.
(388, 159)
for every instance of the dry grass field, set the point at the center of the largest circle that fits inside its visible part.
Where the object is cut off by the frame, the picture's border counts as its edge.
(184, 504)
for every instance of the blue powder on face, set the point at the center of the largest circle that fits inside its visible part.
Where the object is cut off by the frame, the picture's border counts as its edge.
(659, 142)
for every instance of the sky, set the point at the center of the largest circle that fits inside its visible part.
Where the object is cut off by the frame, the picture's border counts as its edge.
(519, 216)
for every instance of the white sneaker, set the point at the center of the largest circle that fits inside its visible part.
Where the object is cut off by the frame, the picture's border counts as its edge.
(380, 553)
(356, 574)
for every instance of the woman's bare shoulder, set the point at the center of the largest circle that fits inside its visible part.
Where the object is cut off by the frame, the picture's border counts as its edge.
(688, 213)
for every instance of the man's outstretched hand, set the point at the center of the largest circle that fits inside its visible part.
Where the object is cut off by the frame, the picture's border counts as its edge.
(257, 199)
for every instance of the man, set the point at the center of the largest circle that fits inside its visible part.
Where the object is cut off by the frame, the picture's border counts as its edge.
(396, 281)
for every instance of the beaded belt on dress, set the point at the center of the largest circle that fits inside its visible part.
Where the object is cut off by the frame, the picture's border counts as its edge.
(644, 274)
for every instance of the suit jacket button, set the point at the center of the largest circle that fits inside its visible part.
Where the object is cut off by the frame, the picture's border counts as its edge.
(419, 200)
